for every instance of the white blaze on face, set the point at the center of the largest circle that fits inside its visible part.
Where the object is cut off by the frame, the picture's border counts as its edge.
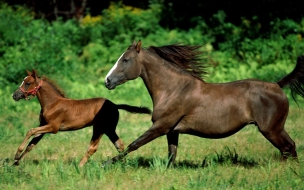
(23, 81)
(114, 67)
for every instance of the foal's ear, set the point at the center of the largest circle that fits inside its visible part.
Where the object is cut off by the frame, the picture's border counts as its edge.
(34, 73)
(138, 46)
(28, 73)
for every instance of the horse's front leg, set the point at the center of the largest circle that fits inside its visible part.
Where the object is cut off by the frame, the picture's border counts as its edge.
(172, 138)
(35, 131)
(155, 131)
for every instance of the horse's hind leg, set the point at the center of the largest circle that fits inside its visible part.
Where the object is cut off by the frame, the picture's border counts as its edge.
(97, 134)
(281, 140)
(172, 139)
(109, 116)
(291, 146)
(104, 122)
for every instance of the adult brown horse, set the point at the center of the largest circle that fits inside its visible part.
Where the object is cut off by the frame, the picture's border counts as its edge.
(184, 103)
(62, 114)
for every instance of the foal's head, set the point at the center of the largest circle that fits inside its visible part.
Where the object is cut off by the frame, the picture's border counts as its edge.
(32, 83)
(126, 68)
(29, 86)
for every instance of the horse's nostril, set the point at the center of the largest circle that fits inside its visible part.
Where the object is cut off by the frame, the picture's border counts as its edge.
(14, 96)
(107, 81)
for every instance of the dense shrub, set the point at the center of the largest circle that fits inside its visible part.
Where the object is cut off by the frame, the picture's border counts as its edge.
(86, 49)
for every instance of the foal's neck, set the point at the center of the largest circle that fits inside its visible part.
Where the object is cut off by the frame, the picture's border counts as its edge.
(47, 95)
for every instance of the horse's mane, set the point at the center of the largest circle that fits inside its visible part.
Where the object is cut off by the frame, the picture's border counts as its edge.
(186, 57)
(54, 85)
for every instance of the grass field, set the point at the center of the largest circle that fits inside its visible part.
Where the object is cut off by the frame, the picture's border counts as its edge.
(245, 160)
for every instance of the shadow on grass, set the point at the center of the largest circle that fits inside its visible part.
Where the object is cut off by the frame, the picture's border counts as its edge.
(229, 157)
(225, 157)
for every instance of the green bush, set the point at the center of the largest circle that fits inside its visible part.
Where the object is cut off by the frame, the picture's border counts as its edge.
(124, 23)
(85, 50)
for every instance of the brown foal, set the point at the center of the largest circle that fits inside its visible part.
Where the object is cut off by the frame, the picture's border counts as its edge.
(59, 113)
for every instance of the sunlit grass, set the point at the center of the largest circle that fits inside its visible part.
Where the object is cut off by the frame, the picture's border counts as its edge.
(245, 160)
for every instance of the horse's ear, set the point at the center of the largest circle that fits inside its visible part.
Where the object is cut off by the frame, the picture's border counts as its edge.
(34, 73)
(138, 46)
(134, 43)
(28, 73)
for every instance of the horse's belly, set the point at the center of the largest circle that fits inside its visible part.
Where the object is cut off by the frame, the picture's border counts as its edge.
(71, 125)
(211, 127)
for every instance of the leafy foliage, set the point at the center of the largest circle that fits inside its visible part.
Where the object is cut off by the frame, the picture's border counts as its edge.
(83, 51)
(78, 54)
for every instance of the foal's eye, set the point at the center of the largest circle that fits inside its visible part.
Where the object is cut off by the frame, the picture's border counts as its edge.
(125, 60)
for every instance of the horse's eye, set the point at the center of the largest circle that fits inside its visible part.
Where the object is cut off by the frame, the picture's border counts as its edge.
(125, 60)
(27, 83)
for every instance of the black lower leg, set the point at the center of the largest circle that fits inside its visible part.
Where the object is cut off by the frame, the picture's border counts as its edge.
(172, 139)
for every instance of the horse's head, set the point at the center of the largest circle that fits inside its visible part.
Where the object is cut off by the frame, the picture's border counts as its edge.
(126, 68)
(29, 86)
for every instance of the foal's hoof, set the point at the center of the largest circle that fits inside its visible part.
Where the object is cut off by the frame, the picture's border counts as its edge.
(16, 163)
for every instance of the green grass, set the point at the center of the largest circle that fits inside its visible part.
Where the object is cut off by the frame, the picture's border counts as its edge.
(245, 160)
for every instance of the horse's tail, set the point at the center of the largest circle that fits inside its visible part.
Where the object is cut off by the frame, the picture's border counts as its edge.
(295, 79)
(133, 109)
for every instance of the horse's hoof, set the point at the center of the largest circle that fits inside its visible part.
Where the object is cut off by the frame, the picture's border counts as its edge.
(106, 163)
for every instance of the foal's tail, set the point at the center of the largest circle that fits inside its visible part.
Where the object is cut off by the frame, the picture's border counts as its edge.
(133, 109)
(295, 79)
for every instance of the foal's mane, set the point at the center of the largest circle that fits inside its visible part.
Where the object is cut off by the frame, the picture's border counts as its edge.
(54, 86)
(186, 57)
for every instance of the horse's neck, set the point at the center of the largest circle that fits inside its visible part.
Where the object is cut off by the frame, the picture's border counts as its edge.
(47, 95)
(161, 78)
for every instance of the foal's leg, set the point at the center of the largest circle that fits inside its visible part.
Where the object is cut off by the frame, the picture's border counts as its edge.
(97, 134)
(105, 122)
(35, 131)
(118, 143)
(172, 139)
(34, 141)
(29, 147)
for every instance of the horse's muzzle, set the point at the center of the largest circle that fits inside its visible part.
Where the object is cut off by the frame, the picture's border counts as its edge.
(18, 95)
(108, 84)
